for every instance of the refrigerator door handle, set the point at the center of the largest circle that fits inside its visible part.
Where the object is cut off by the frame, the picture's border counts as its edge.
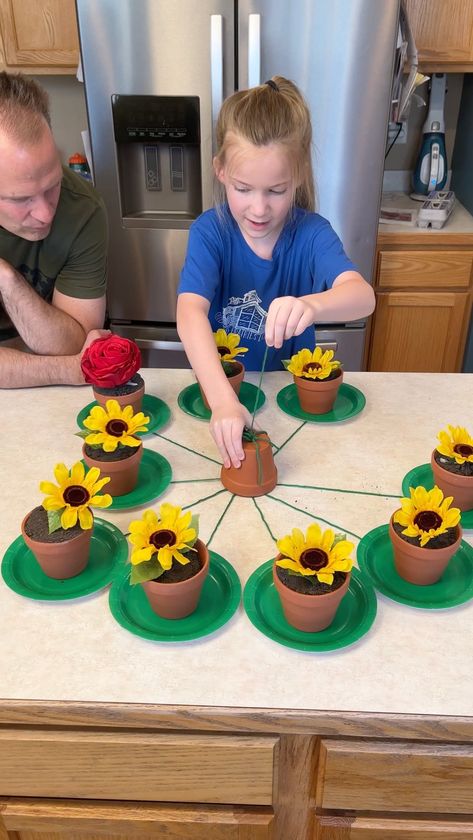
(254, 50)
(153, 344)
(216, 69)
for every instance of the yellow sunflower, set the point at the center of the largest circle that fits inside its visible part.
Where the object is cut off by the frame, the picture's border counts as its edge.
(77, 492)
(315, 364)
(166, 536)
(113, 425)
(228, 345)
(457, 444)
(426, 514)
(318, 553)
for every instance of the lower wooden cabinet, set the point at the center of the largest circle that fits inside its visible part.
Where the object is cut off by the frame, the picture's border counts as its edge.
(387, 828)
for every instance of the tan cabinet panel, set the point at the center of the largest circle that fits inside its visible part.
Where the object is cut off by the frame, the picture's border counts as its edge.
(368, 828)
(395, 777)
(29, 819)
(39, 35)
(443, 31)
(137, 766)
(419, 331)
(427, 269)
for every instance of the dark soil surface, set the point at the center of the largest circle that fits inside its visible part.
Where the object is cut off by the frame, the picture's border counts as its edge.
(120, 390)
(311, 586)
(177, 572)
(37, 528)
(120, 453)
(335, 373)
(442, 541)
(452, 466)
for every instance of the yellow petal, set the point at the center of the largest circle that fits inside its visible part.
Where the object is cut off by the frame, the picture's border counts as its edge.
(101, 501)
(61, 473)
(69, 518)
(85, 518)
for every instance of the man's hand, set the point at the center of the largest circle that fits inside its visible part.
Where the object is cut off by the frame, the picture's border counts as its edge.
(91, 336)
(287, 316)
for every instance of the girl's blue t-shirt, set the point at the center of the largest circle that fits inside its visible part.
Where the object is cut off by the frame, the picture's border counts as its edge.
(240, 285)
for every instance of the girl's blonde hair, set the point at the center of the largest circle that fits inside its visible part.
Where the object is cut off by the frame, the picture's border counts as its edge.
(274, 112)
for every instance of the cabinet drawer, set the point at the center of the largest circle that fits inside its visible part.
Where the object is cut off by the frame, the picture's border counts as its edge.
(424, 269)
(136, 766)
(357, 827)
(395, 777)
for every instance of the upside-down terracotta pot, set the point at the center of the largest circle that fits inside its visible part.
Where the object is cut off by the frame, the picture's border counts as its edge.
(317, 396)
(135, 399)
(422, 566)
(243, 480)
(235, 381)
(123, 474)
(177, 600)
(60, 560)
(453, 484)
(310, 613)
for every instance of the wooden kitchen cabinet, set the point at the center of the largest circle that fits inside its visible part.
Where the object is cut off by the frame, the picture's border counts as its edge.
(423, 303)
(39, 37)
(443, 32)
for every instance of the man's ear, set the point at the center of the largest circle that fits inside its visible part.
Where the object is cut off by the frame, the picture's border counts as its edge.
(218, 169)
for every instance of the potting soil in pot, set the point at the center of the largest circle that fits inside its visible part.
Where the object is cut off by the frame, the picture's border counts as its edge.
(309, 587)
(465, 469)
(119, 454)
(177, 572)
(442, 541)
(129, 387)
(37, 528)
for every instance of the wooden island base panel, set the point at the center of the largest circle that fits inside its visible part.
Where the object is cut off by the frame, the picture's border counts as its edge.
(232, 736)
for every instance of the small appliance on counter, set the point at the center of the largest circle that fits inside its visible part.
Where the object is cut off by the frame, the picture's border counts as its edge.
(431, 169)
(436, 209)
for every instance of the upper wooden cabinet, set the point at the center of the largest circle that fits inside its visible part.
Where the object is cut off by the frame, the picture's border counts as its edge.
(443, 32)
(39, 37)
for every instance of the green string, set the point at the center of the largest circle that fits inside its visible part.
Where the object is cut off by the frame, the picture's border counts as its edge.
(220, 520)
(194, 452)
(258, 390)
(290, 437)
(193, 480)
(204, 499)
(340, 490)
(327, 522)
(263, 518)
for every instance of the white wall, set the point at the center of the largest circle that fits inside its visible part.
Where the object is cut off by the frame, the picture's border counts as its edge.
(68, 112)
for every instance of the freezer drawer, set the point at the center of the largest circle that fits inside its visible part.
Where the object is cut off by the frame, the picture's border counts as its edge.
(348, 344)
(160, 346)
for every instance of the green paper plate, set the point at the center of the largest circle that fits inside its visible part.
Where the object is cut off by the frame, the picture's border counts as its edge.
(353, 619)
(22, 573)
(350, 401)
(423, 475)
(219, 600)
(191, 402)
(154, 476)
(375, 558)
(157, 410)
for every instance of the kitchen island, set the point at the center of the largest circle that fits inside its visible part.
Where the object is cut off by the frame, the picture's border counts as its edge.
(232, 735)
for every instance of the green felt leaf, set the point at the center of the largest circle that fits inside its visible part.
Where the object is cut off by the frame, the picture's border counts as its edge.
(338, 538)
(148, 570)
(54, 520)
(83, 434)
(286, 363)
(194, 524)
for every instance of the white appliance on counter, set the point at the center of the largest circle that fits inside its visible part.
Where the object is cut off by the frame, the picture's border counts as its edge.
(156, 73)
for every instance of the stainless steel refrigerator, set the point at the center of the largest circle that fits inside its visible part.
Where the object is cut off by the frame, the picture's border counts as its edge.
(155, 74)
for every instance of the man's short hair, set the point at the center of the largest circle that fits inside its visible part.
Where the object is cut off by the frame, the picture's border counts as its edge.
(24, 106)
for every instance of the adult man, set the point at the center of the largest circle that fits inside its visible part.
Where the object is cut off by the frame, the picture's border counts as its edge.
(53, 241)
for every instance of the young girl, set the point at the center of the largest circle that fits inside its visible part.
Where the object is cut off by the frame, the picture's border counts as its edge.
(262, 263)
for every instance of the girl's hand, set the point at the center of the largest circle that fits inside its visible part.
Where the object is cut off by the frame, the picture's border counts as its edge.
(226, 427)
(287, 316)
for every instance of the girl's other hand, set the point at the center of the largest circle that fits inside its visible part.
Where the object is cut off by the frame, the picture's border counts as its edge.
(226, 427)
(287, 316)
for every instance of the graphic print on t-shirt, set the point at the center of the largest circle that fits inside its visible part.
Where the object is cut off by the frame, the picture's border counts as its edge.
(245, 316)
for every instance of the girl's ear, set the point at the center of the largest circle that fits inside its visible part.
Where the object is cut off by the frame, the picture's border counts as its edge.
(218, 169)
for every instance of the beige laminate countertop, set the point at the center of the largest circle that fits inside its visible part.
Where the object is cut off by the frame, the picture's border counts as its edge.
(412, 661)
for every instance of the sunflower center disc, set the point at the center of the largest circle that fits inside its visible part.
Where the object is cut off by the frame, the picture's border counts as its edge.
(75, 495)
(313, 558)
(310, 366)
(463, 449)
(116, 427)
(223, 350)
(427, 520)
(161, 538)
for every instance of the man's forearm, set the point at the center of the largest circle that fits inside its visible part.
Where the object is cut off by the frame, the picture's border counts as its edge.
(24, 370)
(44, 328)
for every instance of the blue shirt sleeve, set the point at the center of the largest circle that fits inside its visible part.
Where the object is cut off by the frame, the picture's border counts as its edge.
(203, 266)
(328, 257)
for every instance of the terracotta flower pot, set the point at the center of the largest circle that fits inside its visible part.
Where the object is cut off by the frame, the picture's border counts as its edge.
(317, 396)
(60, 560)
(310, 613)
(422, 566)
(135, 399)
(243, 480)
(123, 474)
(453, 484)
(235, 381)
(177, 600)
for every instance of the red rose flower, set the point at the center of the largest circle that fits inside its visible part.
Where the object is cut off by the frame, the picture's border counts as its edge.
(110, 361)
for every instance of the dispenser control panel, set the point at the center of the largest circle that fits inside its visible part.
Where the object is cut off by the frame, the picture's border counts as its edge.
(156, 119)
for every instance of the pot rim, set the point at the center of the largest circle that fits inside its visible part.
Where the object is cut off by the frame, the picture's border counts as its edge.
(425, 548)
(204, 554)
(303, 595)
(453, 478)
(53, 543)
